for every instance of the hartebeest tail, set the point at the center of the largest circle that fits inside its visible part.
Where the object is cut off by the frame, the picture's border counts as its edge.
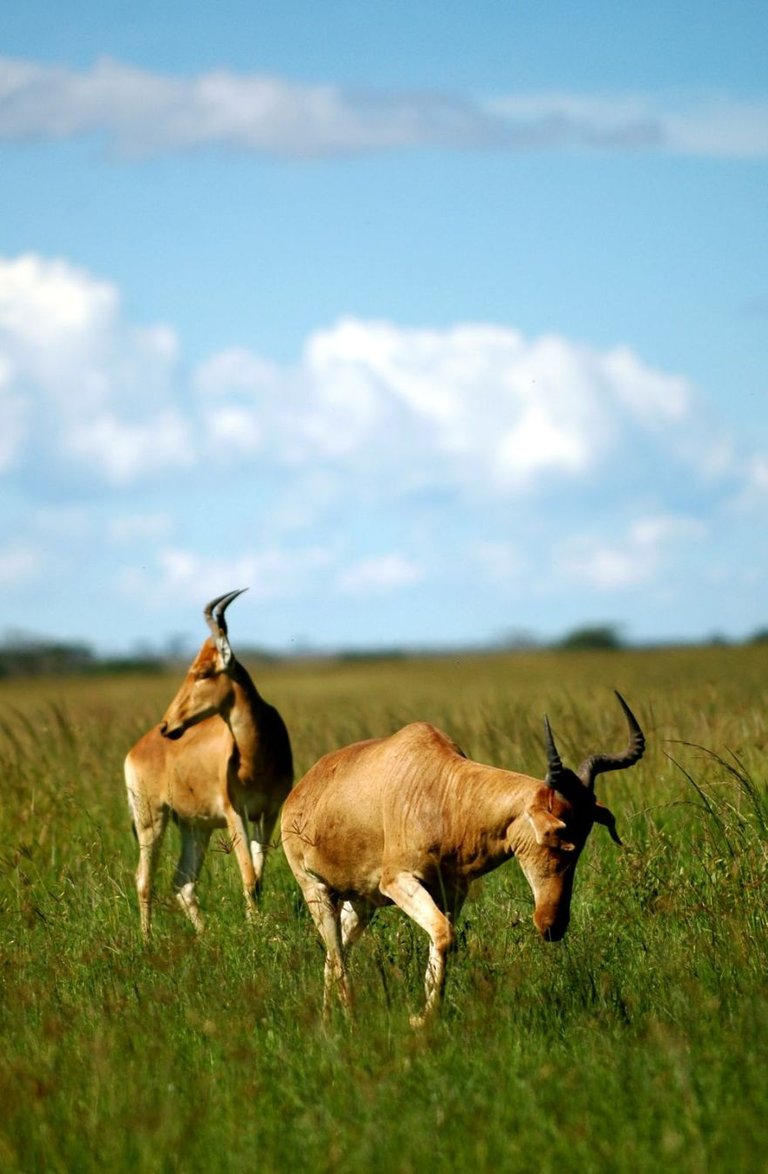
(220, 758)
(409, 820)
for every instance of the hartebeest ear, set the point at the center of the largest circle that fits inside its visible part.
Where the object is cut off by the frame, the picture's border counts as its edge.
(225, 651)
(606, 817)
(547, 828)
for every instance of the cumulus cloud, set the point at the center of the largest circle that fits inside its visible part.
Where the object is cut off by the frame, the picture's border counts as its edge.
(473, 409)
(81, 388)
(144, 113)
(635, 559)
(384, 460)
(476, 407)
(350, 473)
(119, 451)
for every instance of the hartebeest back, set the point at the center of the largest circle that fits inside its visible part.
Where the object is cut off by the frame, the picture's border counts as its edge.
(409, 820)
(221, 757)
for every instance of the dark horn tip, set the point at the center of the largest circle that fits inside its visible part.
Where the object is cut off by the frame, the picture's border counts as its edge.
(631, 717)
(221, 602)
(623, 703)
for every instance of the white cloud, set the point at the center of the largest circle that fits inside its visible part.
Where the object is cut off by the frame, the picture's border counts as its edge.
(499, 561)
(370, 408)
(81, 388)
(704, 124)
(13, 419)
(63, 523)
(180, 575)
(125, 529)
(758, 474)
(19, 563)
(235, 431)
(635, 560)
(475, 407)
(652, 395)
(380, 575)
(467, 459)
(121, 452)
(145, 113)
(234, 371)
(752, 494)
(721, 126)
(50, 303)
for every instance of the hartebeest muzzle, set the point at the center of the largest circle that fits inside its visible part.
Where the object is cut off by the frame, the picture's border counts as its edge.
(552, 924)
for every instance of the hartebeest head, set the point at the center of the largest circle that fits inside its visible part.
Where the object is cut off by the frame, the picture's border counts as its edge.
(207, 688)
(562, 816)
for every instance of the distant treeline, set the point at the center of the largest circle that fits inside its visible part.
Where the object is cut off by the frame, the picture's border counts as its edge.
(32, 657)
(43, 658)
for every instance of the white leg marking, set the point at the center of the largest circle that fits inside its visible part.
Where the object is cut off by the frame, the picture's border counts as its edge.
(194, 842)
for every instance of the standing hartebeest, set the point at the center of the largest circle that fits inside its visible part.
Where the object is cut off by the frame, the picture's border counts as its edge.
(409, 820)
(220, 757)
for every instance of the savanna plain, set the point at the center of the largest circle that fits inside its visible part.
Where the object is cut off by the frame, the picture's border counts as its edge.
(638, 1043)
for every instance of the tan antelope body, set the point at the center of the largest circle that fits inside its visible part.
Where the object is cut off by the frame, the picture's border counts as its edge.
(220, 758)
(409, 820)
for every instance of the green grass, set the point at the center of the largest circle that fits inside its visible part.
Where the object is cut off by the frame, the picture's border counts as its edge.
(639, 1043)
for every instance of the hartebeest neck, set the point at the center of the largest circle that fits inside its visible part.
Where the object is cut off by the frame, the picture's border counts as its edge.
(243, 717)
(499, 800)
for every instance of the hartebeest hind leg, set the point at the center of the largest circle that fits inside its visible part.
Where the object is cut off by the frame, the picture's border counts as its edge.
(149, 827)
(194, 843)
(410, 895)
(324, 907)
(262, 829)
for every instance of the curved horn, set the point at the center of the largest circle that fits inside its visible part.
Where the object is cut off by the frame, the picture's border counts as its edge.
(214, 612)
(555, 766)
(599, 763)
(559, 778)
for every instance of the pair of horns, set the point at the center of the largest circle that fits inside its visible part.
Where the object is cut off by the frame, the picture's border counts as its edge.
(566, 781)
(214, 618)
(214, 612)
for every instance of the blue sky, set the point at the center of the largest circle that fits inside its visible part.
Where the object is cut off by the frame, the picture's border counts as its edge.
(430, 323)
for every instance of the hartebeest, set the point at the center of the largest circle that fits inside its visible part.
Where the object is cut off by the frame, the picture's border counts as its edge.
(221, 757)
(409, 820)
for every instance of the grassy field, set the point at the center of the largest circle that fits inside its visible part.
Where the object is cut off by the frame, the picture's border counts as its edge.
(639, 1043)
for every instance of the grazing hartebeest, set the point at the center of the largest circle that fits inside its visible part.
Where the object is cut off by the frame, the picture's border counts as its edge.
(409, 820)
(232, 764)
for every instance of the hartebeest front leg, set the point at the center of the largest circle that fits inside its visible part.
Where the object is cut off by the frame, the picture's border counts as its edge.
(237, 824)
(356, 916)
(410, 895)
